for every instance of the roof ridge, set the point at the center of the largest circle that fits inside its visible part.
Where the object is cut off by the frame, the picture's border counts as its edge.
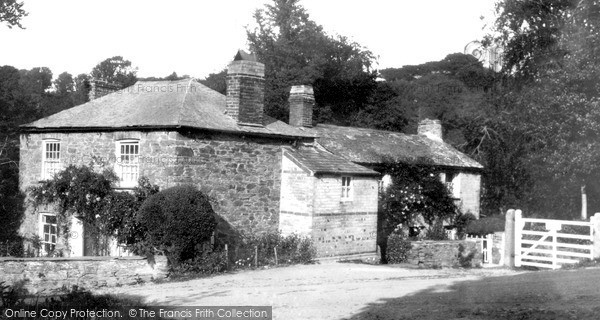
(368, 129)
(182, 105)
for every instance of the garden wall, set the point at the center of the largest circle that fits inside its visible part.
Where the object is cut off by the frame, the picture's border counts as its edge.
(437, 254)
(51, 275)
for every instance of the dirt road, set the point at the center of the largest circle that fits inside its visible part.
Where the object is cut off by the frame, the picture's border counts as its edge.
(331, 290)
(360, 291)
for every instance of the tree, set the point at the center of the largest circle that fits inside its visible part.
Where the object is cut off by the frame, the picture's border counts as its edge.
(37, 80)
(454, 90)
(298, 51)
(82, 89)
(64, 84)
(216, 81)
(390, 107)
(529, 32)
(548, 111)
(11, 206)
(11, 12)
(115, 70)
(173, 76)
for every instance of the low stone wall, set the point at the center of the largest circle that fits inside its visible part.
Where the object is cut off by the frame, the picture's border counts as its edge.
(439, 254)
(54, 275)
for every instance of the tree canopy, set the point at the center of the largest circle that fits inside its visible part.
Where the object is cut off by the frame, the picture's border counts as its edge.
(298, 52)
(12, 12)
(547, 115)
(115, 70)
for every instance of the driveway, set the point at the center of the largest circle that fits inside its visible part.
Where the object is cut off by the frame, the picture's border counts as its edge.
(328, 290)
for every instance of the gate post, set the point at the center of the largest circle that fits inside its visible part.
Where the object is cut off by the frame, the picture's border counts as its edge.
(518, 229)
(595, 219)
(509, 232)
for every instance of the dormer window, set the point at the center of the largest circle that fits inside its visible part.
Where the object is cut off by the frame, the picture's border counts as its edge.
(127, 165)
(50, 158)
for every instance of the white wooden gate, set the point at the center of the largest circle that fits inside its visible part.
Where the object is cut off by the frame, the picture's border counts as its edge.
(540, 242)
(485, 245)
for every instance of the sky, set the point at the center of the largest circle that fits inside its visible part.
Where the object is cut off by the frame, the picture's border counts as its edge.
(199, 37)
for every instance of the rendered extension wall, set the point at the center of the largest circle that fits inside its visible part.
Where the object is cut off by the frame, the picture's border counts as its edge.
(51, 275)
(296, 205)
(470, 191)
(313, 206)
(241, 174)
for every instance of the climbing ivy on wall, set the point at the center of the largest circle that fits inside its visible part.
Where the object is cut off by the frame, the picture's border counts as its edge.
(416, 190)
(89, 195)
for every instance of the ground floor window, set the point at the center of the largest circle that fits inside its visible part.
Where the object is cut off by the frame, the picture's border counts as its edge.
(49, 232)
(346, 188)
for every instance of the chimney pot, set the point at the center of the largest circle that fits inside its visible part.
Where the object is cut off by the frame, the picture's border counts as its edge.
(100, 88)
(245, 89)
(432, 129)
(302, 102)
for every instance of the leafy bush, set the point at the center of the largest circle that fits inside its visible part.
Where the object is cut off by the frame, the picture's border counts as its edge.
(398, 248)
(485, 226)
(436, 232)
(12, 247)
(177, 221)
(206, 264)
(291, 249)
(462, 222)
(465, 260)
(120, 217)
(17, 298)
(12, 296)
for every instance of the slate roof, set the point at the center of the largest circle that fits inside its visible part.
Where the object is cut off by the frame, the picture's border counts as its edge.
(317, 161)
(370, 147)
(159, 104)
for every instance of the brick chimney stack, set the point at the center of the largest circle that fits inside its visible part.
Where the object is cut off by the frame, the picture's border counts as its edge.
(246, 89)
(100, 88)
(432, 129)
(302, 102)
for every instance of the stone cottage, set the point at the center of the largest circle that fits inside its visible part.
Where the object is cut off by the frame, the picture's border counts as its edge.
(263, 174)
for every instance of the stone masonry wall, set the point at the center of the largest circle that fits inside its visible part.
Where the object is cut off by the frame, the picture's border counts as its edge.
(51, 275)
(345, 227)
(241, 174)
(437, 254)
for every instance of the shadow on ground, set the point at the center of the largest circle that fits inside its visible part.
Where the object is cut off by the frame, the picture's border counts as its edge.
(540, 295)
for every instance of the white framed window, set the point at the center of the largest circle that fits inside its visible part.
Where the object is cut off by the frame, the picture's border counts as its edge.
(50, 158)
(48, 232)
(346, 188)
(448, 180)
(128, 165)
